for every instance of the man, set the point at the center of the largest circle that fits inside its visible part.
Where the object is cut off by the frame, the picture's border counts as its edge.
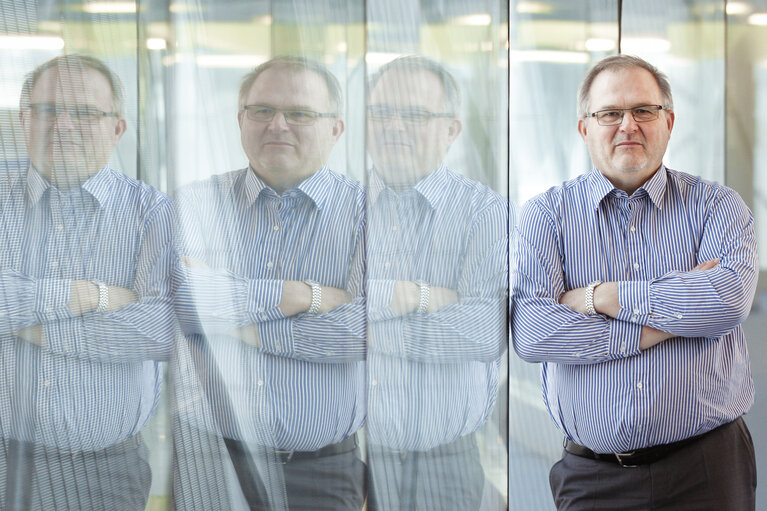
(436, 296)
(633, 281)
(272, 301)
(84, 300)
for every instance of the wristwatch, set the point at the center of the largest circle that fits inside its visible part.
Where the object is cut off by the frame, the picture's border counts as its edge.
(424, 293)
(590, 310)
(314, 308)
(103, 296)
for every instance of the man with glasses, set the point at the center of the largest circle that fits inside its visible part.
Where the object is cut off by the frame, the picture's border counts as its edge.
(85, 312)
(272, 305)
(632, 285)
(437, 280)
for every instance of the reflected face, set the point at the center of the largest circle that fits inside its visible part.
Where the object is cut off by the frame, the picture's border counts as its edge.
(284, 154)
(629, 153)
(403, 148)
(64, 141)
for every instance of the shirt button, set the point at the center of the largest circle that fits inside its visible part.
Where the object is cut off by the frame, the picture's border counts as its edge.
(387, 264)
(260, 309)
(636, 310)
(60, 227)
(373, 383)
(47, 383)
(679, 316)
(633, 229)
(276, 227)
(278, 345)
(636, 266)
(639, 385)
(269, 264)
(394, 228)
(54, 264)
(260, 383)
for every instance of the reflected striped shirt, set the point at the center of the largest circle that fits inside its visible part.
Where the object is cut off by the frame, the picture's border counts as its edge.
(97, 380)
(303, 388)
(434, 377)
(600, 389)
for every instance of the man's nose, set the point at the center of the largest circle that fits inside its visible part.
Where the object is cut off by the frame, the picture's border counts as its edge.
(278, 122)
(628, 123)
(64, 120)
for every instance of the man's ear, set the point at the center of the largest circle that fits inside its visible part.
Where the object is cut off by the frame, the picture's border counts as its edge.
(120, 127)
(453, 130)
(338, 128)
(582, 127)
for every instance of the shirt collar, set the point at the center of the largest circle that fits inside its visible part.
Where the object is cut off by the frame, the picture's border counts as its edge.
(98, 185)
(431, 187)
(600, 187)
(316, 187)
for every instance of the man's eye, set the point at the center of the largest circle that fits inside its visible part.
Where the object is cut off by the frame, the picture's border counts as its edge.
(610, 114)
(300, 114)
(84, 113)
(642, 111)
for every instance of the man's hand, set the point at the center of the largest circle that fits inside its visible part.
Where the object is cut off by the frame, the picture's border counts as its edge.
(85, 297)
(247, 334)
(651, 336)
(33, 334)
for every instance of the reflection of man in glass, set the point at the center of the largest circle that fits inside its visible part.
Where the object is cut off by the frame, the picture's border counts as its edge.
(632, 283)
(273, 257)
(437, 273)
(84, 305)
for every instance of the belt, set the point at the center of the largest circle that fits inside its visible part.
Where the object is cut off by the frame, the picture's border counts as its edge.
(348, 444)
(637, 457)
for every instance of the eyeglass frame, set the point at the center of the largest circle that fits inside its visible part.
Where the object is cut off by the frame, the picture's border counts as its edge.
(96, 113)
(427, 115)
(284, 111)
(657, 110)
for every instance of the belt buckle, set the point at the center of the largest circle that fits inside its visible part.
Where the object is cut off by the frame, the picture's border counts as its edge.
(620, 455)
(287, 458)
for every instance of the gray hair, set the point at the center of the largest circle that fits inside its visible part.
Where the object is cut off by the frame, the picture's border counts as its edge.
(414, 63)
(620, 62)
(79, 63)
(297, 63)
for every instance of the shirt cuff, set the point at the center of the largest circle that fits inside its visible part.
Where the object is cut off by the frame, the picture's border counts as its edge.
(379, 297)
(634, 301)
(624, 339)
(51, 298)
(277, 337)
(264, 298)
(62, 336)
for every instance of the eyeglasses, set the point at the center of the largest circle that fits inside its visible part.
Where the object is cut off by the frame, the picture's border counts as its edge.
(81, 114)
(412, 115)
(295, 117)
(614, 116)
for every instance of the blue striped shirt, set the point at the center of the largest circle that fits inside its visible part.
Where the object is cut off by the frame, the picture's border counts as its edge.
(600, 389)
(97, 380)
(303, 388)
(434, 377)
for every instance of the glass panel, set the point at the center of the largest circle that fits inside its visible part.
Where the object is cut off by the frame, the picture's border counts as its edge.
(437, 253)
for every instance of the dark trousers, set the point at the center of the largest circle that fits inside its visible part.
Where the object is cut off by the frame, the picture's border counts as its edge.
(207, 477)
(35, 477)
(716, 473)
(446, 478)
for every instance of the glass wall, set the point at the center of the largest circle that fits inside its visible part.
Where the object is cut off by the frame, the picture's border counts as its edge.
(176, 304)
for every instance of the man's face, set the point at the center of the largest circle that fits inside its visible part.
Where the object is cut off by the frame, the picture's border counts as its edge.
(282, 154)
(628, 153)
(70, 147)
(403, 148)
